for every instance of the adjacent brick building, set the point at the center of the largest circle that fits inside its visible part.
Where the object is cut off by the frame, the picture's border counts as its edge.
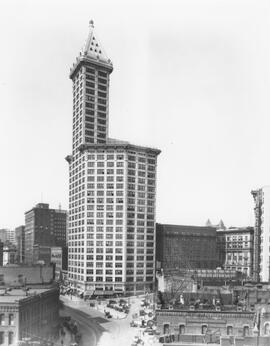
(27, 314)
(191, 247)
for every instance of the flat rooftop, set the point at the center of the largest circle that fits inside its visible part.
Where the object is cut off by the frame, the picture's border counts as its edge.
(19, 294)
(186, 229)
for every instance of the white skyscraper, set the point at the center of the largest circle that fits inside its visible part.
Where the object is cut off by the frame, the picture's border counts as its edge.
(112, 189)
(261, 267)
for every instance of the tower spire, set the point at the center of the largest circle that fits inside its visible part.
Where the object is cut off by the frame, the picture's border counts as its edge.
(92, 48)
(91, 23)
(92, 52)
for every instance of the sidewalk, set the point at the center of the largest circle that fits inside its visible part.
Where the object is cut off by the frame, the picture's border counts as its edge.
(99, 308)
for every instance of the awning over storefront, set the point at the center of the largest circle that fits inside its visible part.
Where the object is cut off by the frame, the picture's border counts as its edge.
(103, 293)
(88, 292)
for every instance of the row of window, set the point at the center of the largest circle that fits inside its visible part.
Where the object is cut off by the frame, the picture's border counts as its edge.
(118, 156)
(204, 328)
(10, 335)
(101, 257)
(140, 223)
(100, 73)
(10, 320)
(92, 231)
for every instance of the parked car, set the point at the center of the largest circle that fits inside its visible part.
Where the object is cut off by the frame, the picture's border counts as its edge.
(122, 302)
(107, 314)
(149, 331)
(135, 323)
(66, 318)
(112, 301)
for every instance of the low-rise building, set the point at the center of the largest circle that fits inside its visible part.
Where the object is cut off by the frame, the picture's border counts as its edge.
(30, 313)
(18, 275)
(197, 278)
(59, 256)
(199, 322)
(226, 328)
(41, 254)
(9, 254)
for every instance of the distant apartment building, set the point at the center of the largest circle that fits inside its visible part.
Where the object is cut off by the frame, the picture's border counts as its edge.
(186, 247)
(261, 262)
(236, 243)
(20, 243)
(11, 236)
(44, 227)
(7, 235)
(3, 235)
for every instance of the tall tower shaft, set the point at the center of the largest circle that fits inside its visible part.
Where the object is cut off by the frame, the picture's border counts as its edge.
(91, 76)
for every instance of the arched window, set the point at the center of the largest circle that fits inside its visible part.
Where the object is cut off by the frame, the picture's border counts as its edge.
(166, 329)
(267, 328)
(204, 328)
(2, 319)
(246, 331)
(182, 329)
(229, 330)
(11, 319)
(10, 338)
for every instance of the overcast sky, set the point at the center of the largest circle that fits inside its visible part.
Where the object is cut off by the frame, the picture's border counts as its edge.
(191, 78)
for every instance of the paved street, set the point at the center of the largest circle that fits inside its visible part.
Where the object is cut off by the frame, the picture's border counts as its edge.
(88, 327)
(98, 330)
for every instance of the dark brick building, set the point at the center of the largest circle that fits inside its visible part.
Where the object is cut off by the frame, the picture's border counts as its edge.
(44, 227)
(20, 243)
(191, 247)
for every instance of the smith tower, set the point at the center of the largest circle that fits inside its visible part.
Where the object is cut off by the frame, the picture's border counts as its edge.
(90, 75)
(112, 188)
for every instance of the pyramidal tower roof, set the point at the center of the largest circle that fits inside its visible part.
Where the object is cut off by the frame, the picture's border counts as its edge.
(93, 48)
(92, 51)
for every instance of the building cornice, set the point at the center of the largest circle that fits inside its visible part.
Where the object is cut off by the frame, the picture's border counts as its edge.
(86, 147)
(84, 59)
